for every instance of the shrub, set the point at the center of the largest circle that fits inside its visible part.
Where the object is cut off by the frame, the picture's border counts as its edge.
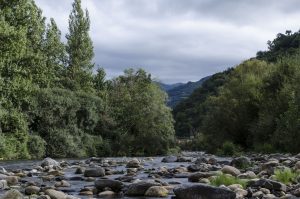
(13, 134)
(225, 179)
(286, 176)
(229, 148)
(36, 146)
(264, 148)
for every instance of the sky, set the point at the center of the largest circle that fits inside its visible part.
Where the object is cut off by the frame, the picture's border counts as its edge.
(178, 40)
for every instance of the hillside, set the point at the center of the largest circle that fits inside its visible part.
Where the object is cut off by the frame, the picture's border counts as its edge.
(253, 106)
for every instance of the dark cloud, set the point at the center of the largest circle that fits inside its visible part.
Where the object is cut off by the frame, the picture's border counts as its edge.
(179, 40)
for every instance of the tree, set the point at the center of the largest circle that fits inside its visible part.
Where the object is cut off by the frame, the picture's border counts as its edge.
(144, 122)
(55, 53)
(26, 16)
(79, 48)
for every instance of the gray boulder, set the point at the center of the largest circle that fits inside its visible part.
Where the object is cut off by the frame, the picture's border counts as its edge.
(201, 191)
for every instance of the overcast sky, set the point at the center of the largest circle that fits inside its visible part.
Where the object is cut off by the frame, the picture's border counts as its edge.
(178, 40)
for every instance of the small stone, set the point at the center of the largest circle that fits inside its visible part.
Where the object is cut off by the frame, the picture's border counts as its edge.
(3, 184)
(32, 190)
(62, 183)
(49, 162)
(157, 191)
(94, 172)
(134, 163)
(12, 180)
(105, 194)
(230, 170)
(12, 194)
(80, 170)
(55, 194)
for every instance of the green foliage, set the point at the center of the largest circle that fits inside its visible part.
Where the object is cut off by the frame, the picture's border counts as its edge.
(286, 176)
(55, 53)
(144, 121)
(283, 45)
(36, 146)
(190, 113)
(79, 48)
(13, 134)
(229, 149)
(51, 104)
(225, 179)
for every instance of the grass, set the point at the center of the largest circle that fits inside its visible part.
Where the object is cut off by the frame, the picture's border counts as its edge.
(227, 180)
(286, 176)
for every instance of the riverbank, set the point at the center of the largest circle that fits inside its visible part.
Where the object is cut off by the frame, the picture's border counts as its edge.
(187, 176)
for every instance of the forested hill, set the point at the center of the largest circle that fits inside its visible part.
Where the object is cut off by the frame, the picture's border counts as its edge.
(180, 91)
(254, 106)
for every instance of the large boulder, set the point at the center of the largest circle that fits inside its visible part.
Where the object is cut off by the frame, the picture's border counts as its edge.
(201, 191)
(140, 188)
(49, 162)
(12, 194)
(114, 185)
(268, 184)
(230, 170)
(94, 172)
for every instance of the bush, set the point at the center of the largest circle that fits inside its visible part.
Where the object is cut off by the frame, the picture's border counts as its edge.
(264, 148)
(36, 146)
(229, 149)
(286, 176)
(13, 134)
(225, 179)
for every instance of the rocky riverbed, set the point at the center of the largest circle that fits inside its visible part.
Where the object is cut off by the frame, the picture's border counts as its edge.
(186, 176)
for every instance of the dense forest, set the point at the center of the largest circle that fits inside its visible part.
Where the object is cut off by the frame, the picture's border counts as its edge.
(52, 104)
(253, 106)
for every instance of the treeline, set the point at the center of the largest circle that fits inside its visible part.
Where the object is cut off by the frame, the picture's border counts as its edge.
(52, 104)
(253, 106)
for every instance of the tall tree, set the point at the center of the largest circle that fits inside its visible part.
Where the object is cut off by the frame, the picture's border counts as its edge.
(79, 48)
(55, 53)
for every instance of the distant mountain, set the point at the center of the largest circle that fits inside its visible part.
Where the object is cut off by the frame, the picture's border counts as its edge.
(180, 91)
(167, 87)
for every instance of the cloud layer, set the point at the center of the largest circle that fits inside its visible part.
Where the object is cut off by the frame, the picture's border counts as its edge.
(175, 40)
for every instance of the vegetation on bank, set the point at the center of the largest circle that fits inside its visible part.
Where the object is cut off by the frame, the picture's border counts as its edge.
(254, 106)
(52, 104)
(225, 179)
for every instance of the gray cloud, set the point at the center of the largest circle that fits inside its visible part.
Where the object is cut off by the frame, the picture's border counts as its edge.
(178, 40)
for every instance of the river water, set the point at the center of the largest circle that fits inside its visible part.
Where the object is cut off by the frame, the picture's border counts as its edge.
(153, 163)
